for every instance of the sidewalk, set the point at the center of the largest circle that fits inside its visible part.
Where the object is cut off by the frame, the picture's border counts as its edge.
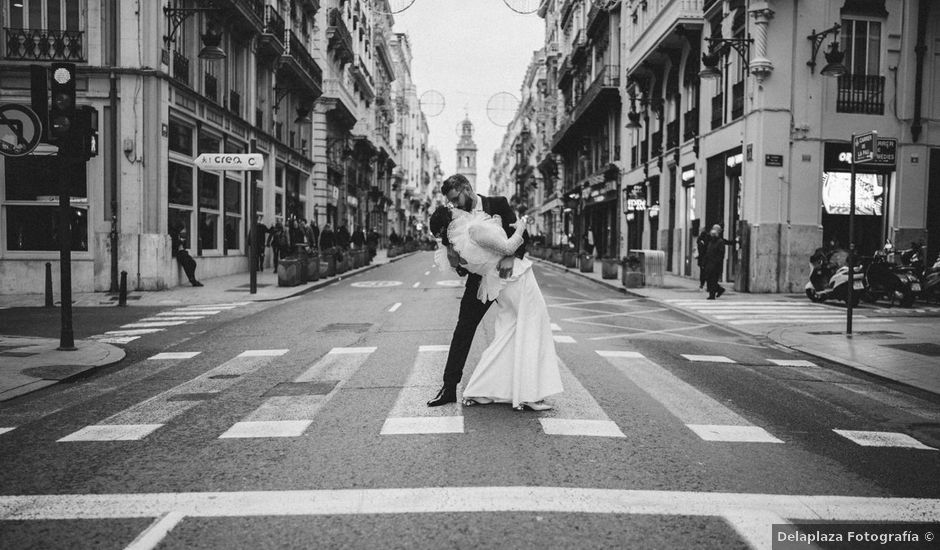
(902, 349)
(28, 364)
(228, 288)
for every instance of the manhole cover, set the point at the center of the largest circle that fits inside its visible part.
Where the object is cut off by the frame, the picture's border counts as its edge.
(346, 327)
(920, 348)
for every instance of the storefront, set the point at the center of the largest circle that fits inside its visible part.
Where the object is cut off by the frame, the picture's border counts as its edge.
(634, 206)
(723, 203)
(873, 185)
(692, 223)
(599, 217)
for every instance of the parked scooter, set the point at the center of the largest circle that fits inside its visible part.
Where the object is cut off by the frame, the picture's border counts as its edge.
(930, 282)
(888, 281)
(827, 280)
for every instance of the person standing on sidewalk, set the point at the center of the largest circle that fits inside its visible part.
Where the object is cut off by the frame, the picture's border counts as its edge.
(714, 262)
(701, 245)
(277, 240)
(260, 231)
(372, 241)
(179, 238)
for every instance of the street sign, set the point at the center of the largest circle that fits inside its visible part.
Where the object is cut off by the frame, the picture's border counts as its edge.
(20, 130)
(773, 160)
(863, 147)
(230, 162)
(886, 152)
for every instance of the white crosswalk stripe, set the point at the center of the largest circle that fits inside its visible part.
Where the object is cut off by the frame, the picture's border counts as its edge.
(768, 312)
(140, 420)
(576, 412)
(706, 417)
(290, 408)
(883, 439)
(161, 321)
(410, 414)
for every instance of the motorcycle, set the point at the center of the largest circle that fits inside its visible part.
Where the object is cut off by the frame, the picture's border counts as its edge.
(930, 281)
(828, 280)
(888, 281)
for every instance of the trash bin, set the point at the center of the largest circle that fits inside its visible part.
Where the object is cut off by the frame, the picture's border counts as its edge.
(313, 266)
(300, 252)
(632, 272)
(652, 263)
(609, 268)
(587, 263)
(328, 265)
(288, 272)
(570, 258)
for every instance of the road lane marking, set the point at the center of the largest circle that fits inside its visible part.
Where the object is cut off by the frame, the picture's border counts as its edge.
(575, 411)
(395, 307)
(436, 500)
(154, 325)
(840, 319)
(708, 358)
(133, 332)
(792, 363)
(410, 415)
(192, 314)
(157, 531)
(416, 285)
(115, 339)
(185, 319)
(563, 339)
(263, 353)
(883, 439)
(140, 420)
(754, 526)
(6, 430)
(207, 307)
(290, 415)
(426, 273)
(555, 327)
(174, 355)
(706, 417)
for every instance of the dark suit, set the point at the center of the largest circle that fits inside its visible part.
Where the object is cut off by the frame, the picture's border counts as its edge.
(471, 308)
(714, 263)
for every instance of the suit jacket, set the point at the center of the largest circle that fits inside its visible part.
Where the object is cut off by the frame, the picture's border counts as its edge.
(499, 206)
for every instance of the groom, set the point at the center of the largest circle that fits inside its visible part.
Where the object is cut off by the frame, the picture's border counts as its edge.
(460, 193)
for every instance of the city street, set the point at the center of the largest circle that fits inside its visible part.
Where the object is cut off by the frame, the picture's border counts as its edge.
(302, 423)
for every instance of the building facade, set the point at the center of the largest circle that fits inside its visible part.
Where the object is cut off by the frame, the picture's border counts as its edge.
(673, 115)
(310, 84)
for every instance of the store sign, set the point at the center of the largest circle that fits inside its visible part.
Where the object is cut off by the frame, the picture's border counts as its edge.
(230, 162)
(863, 147)
(838, 156)
(869, 193)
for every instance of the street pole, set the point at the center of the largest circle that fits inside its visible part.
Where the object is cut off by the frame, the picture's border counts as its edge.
(850, 292)
(66, 336)
(253, 228)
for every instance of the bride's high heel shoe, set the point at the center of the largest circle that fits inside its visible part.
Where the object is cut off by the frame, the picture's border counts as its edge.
(471, 401)
(533, 406)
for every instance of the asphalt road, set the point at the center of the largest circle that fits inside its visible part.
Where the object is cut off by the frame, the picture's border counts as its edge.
(672, 433)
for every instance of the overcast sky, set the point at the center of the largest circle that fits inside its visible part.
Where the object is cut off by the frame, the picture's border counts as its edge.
(468, 50)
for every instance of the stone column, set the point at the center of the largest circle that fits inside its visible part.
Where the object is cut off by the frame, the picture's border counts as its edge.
(760, 66)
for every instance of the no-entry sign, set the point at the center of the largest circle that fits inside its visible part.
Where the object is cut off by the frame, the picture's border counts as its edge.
(230, 162)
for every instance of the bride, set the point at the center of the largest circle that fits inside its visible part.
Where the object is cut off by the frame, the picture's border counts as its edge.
(519, 366)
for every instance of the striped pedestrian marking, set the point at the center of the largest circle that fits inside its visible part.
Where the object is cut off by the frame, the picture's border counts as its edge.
(115, 339)
(395, 307)
(744, 313)
(706, 417)
(292, 407)
(154, 324)
(138, 421)
(555, 327)
(563, 339)
(187, 314)
(576, 412)
(792, 363)
(883, 439)
(184, 318)
(416, 285)
(168, 355)
(7, 429)
(708, 358)
(410, 415)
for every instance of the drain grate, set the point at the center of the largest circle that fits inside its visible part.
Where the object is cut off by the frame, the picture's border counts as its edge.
(346, 327)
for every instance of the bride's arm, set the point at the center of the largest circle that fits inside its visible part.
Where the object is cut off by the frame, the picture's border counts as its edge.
(493, 237)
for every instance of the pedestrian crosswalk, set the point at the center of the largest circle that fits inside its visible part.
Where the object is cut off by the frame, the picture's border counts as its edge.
(289, 408)
(129, 332)
(791, 312)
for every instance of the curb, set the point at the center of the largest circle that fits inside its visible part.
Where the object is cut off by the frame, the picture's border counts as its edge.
(114, 355)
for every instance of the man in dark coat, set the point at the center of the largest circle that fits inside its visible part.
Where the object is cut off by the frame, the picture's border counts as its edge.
(179, 238)
(359, 238)
(701, 245)
(393, 238)
(327, 239)
(714, 262)
(260, 231)
(342, 237)
(459, 192)
(279, 243)
(372, 241)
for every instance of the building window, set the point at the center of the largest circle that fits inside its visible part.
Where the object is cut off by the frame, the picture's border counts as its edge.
(861, 42)
(58, 15)
(31, 195)
(233, 213)
(180, 198)
(209, 197)
(181, 138)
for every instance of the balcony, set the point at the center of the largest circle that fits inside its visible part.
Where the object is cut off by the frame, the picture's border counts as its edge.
(737, 100)
(604, 87)
(672, 135)
(363, 79)
(310, 6)
(565, 71)
(657, 143)
(271, 40)
(660, 19)
(566, 9)
(634, 158)
(181, 67)
(579, 47)
(44, 45)
(718, 110)
(235, 102)
(861, 94)
(339, 41)
(301, 64)
(690, 123)
(251, 12)
(210, 87)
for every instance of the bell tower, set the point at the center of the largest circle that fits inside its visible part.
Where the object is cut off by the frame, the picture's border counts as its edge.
(467, 152)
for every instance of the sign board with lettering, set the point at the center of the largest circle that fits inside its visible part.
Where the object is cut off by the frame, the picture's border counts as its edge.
(230, 162)
(773, 160)
(863, 147)
(886, 152)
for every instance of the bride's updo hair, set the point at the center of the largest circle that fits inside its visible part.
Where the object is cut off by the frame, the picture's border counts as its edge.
(440, 219)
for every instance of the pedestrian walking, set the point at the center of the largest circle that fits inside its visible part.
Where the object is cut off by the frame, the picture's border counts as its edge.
(701, 244)
(261, 232)
(313, 235)
(393, 238)
(372, 241)
(359, 238)
(343, 237)
(178, 240)
(327, 238)
(279, 242)
(714, 262)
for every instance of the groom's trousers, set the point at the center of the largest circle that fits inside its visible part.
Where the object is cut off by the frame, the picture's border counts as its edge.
(471, 313)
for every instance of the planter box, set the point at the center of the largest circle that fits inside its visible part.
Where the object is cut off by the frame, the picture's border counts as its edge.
(587, 263)
(328, 266)
(609, 269)
(555, 256)
(313, 267)
(342, 265)
(288, 272)
(570, 258)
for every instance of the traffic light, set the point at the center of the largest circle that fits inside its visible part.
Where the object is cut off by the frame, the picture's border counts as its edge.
(62, 113)
(81, 143)
(39, 97)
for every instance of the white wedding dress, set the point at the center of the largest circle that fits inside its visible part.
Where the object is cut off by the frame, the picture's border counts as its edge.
(519, 366)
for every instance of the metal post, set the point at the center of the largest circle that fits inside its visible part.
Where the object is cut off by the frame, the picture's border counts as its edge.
(49, 302)
(850, 292)
(66, 336)
(122, 297)
(252, 229)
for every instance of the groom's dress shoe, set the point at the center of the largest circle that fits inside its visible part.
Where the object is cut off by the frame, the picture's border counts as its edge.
(443, 397)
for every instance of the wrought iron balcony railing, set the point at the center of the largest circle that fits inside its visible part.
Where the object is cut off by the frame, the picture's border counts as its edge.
(181, 67)
(44, 44)
(737, 100)
(690, 124)
(718, 110)
(235, 102)
(338, 36)
(861, 94)
(273, 22)
(211, 87)
(644, 151)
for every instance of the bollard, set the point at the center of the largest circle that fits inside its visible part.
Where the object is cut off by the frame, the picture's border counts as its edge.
(49, 302)
(122, 298)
